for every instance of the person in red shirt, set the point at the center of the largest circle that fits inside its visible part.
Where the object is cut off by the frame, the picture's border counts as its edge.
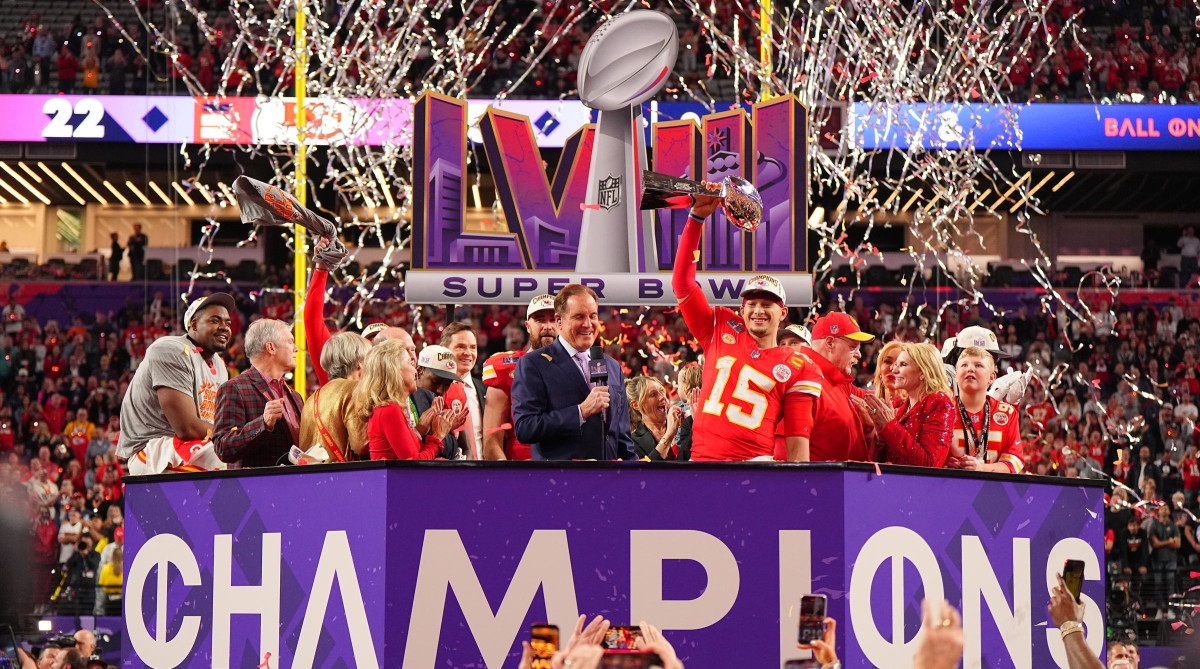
(986, 430)
(915, 429)
(1189, 468)
(841, 431)
(750, 384)
(1041, 412)
(380, 400)
(499, 438)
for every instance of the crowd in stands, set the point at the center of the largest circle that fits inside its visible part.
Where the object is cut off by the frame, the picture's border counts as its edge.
(1130, 51)
(1112, 398)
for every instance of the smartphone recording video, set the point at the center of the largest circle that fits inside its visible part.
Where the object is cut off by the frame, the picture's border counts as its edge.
(812, 618)
(622, 637)
(543, 638)
(1073, 577)
(802, 664)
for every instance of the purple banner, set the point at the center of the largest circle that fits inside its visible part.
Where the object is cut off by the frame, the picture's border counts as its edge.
(439, 564)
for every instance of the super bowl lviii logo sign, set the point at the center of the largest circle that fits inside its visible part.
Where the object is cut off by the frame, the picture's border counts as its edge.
(541, 250)
(601, 220)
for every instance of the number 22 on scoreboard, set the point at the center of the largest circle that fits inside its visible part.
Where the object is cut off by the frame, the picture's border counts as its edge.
(61, 112)
(742, 391)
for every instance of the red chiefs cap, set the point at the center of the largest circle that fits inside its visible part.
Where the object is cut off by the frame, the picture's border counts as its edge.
(839, 324)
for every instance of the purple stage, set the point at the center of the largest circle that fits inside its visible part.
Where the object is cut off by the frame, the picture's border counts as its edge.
(447, 564)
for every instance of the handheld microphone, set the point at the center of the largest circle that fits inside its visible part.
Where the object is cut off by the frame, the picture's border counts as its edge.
(597, 367)
(598, 376)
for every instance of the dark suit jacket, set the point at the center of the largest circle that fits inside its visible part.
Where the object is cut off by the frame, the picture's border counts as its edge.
(1152, 471)
(239, 432)
(423, 399)
(546, 393)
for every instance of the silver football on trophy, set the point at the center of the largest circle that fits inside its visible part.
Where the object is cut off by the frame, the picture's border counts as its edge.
(742, 203)
(627, 60)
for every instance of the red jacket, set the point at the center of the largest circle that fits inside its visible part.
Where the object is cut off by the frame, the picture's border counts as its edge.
(920, 437)
(392, 438)
(837, 434)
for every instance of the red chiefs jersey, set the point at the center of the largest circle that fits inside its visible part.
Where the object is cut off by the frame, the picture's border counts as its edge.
(1040, 413)
(1003, 438)
(498, 372)
(1190, 469)
(746, 391)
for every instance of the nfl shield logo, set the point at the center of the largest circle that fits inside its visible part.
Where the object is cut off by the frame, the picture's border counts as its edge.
(609, 194)
(833, 329)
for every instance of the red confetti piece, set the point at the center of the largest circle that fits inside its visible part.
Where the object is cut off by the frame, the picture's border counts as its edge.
(501, 428)
(583, 206)
(1177, 624)
(877, 472)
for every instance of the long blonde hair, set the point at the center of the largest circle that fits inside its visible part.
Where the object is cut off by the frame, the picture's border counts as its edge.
(894, 347)
(635, 391)
(381, 384)
(929, 361)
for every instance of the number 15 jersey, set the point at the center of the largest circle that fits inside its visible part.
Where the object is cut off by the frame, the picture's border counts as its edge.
(746, 391)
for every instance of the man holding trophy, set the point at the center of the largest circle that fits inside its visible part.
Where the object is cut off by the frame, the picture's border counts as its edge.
(750, 385)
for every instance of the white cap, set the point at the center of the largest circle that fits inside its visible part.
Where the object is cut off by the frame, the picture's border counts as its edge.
(767, 284)
(980, 337)
(440, 361)
(540, 303)
(800, 331)
(223, 299)
(373, 329)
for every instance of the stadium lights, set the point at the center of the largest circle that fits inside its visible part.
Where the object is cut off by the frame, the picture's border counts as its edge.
(228, 193)
(22, 198)
(86, 185)
(916, 194)
(30, 172)
(929, 206)
(158, 191)
(10, 189)
(1023, 179)
(183, 194)
(113, 189)
(61, 184)
(140, 195)
(3, 200)
(888, 201)
(1065, 179)
(979, 201)
(205, 192)
(816, 219)
(1032, 191)
(475, 194)
(21, 180)
(387, 193)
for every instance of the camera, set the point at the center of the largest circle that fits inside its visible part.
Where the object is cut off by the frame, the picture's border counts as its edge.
(61, 641)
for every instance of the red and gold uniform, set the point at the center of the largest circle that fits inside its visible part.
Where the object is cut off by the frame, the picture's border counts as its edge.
(498, 373)
(746, 391)
(1003, 435)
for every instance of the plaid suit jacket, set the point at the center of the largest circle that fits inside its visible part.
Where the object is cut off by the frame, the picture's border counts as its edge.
(239, 433)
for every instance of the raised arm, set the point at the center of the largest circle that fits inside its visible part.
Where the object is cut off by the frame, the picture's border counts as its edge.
(693, 305)
(315, 330)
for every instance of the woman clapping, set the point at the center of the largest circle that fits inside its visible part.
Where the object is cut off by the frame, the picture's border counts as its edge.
(917, 427)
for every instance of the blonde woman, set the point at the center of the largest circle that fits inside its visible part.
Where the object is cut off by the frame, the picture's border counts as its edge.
(658, 421)
(691, 377)
(389, 376)
(322, 420)
(917, 428)
(885, 380)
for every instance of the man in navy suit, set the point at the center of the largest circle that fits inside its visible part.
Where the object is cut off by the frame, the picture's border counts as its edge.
(555, 408)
